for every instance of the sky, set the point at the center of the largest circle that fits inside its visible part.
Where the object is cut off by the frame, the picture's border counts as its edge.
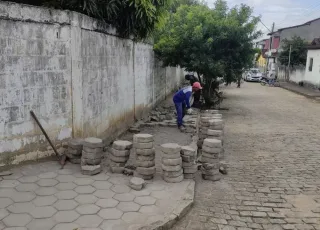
(283, 12)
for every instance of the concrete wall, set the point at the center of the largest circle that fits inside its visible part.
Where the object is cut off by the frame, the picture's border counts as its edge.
(301, 73)
(78, 77)
(313, 77)
(296, 74)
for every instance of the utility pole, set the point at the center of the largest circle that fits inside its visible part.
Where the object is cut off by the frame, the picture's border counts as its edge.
(270, 45)
(289, 61)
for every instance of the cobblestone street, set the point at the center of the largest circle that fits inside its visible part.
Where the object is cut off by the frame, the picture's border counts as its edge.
(272, 143)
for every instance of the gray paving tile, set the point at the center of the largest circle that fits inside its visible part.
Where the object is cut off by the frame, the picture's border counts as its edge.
(3, 213)
(84, 189)
(86, 199)
(89, 221)
(63, 205)
(7, 192)
(66, 216)
(110, 213)
(65, 186)
(100, 176)
(118, 180)
(21, 207)
(65, 171)
(105, 194)
(41, 224)
(143, 192)
(107, 203)
(120, 188)
(28, 187)
(145, 200)
(124, 197)
(22, 196)
(134, 217)
(66, 226)
(44, 200)
(151, 210)
(128, 206)
(28, 179)
(45, 191)
(47, 182)
(9, 183)
(87, 209)
(43, 212)
(114, 224)
(102, 184)
(5, 202)
(48, 175)
(17, 220)
(65, 178)
(66, 195)
(83, 181)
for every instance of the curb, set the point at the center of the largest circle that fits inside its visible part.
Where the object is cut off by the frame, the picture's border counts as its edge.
(179, 211)
(299, 93)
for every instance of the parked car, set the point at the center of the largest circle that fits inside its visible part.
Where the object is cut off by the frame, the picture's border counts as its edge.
(253, 75)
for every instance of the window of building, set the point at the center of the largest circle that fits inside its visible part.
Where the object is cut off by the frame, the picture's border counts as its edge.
(310, 64)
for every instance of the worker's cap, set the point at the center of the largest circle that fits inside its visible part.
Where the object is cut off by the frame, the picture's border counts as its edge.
(196, 85)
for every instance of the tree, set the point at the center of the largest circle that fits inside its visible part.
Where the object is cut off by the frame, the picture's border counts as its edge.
(213, 43)
(298, 52)
(137, 18)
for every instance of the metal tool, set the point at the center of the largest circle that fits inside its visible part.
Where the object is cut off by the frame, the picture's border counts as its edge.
(62, 159)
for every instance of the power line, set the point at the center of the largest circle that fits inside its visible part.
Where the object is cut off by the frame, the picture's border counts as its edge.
(264, 25)
(306, 11)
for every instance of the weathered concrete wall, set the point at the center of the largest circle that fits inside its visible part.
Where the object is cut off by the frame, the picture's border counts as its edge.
(296, 74)
(78, 77)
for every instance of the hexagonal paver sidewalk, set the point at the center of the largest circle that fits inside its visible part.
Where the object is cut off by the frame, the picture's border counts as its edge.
(41, 196)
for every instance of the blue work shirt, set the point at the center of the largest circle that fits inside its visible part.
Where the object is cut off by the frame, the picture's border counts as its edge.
(183, 95)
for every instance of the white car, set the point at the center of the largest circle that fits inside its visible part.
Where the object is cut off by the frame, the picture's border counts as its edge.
(253, 75)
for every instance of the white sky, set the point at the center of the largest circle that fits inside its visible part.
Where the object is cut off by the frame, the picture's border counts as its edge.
(283, 12)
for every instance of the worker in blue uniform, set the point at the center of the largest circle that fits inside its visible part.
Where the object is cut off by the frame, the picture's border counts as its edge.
(181, 100)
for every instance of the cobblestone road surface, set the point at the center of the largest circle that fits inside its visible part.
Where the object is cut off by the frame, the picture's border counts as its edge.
(272, 142)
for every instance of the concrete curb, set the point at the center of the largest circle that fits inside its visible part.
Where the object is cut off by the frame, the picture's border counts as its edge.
(300, 93)
(178, 212)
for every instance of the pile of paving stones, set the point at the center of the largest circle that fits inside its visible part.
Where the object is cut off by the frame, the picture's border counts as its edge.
(74, 150)
(145, 156)
(137, 183)
(91, 156)
(188, 155)
(205, 124)
(211, 150)
(119, 155)
(171, 163)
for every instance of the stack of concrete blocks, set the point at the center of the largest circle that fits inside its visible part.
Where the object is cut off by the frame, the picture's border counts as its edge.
(119, 155)
(145, 156)
(171, 163)
(211, 150)
(74, 150)
(188, 155)
(137, 183)
(215, 131)
(91, 156)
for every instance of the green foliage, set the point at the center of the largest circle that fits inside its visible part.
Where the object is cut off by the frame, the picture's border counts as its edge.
(298, 51)
(137, 18)
(214, 42)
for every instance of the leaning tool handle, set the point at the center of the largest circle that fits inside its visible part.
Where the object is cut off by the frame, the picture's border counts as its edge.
(45, 134)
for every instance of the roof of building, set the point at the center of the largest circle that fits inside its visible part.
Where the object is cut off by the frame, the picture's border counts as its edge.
(315, 44)
(290, 27)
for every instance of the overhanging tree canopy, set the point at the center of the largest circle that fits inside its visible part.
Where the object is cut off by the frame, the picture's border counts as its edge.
(298, 51)
(130, 17)
(214, 42)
